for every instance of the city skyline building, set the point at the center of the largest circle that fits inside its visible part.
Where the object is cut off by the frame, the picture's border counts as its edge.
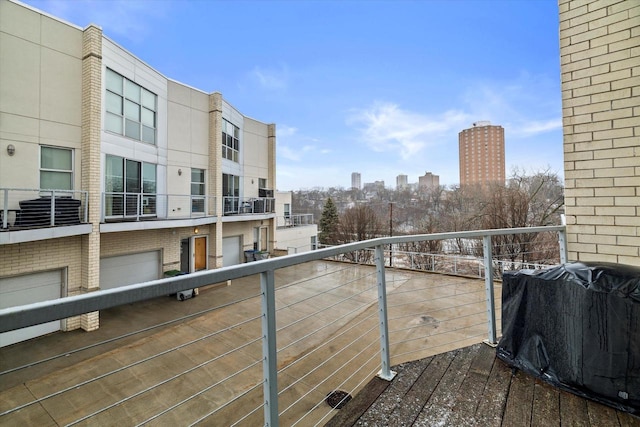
(356, 181)
(402, 181)
(428, 181)
(482, 154)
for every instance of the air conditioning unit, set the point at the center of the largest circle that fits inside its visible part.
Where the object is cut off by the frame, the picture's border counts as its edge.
(183, 295)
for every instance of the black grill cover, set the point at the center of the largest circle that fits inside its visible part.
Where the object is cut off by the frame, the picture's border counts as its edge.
(576, 326)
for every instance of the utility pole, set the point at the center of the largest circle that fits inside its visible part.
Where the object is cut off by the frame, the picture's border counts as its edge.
(390, 233)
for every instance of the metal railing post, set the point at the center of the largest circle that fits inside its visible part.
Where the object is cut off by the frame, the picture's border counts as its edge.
(488, 284)
(5, 208)
(385, 369)
(269, 349)
(52, 213)
(562, 242)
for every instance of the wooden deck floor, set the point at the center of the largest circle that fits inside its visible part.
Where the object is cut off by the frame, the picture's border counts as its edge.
(467, 387)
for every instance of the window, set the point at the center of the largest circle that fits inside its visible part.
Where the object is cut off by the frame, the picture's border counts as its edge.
(231, 193)
(131, 109)
(56, 168)
(197, 191)
(262, 183)
(130, 187)
(230, 141)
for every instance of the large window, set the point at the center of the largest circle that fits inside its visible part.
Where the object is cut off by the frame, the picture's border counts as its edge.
(130, 188)
(231, 193)
(131, 109)
(230, 141)
(56, 168)
(197, 190)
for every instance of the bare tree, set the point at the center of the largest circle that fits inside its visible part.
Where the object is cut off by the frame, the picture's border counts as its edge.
(356, 224)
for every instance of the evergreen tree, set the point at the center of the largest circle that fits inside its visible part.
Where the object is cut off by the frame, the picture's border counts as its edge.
(329, 223)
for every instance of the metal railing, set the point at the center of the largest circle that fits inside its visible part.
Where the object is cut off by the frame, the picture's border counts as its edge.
(272, 350)
(232, 205)
(22, 208)
(294, 220)
(122, 206)
(469, 262)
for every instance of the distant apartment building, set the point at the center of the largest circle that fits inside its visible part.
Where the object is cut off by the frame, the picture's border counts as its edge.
(373, 186)
(428, 181)
(112, 173)
(356, 181)
(402, 182)
(481, 150)
(600, 57)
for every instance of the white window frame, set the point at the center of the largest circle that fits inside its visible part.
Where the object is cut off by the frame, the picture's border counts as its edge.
(198, 197)
(70, 172)
(133, 203)
(230, 141)
(132, 108)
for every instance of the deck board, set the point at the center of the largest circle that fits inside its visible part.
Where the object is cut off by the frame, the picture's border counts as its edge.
(470, 386)
(496, 391)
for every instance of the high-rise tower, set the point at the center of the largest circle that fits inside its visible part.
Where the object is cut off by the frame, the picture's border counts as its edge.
(356, 183)
(481, 149)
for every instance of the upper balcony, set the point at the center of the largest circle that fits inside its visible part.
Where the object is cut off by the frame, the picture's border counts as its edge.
(36, 214)
(294, 220)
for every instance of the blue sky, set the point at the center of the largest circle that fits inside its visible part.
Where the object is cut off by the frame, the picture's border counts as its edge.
(376, 87)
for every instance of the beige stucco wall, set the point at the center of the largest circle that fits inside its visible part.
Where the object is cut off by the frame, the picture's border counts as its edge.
(188, 140)
(600, 60)
(256, 156)
(40, 91)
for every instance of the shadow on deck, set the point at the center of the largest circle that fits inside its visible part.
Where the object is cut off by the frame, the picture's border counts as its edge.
(470, 386)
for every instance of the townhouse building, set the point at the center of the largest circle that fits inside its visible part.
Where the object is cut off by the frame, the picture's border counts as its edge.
(112, 173)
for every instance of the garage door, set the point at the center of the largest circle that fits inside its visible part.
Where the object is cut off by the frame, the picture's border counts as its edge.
(128, 269)
(231, 251)
(26, 289)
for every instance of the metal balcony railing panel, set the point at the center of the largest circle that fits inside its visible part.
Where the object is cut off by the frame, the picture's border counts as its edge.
(23, 209)
(270, 348)
(297, 220)
(121, 206)
(232, 205)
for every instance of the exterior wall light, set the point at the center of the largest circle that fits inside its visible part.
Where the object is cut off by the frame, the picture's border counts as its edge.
(196, 231)
(11, 149)
(179, 172)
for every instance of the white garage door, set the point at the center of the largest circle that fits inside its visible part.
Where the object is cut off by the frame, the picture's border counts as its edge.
(128, 269)
(26, 289)
(231, 251)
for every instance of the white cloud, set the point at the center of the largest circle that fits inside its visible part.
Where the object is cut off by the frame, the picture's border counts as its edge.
(536, 127)
(271, 78)
(285, 131)
(294, 147)
(387, 127)
(526, 106)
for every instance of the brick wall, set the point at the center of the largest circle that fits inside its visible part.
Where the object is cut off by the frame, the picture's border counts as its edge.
(600, 65)
(165, 240)
(91, 124)
(45, 255)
